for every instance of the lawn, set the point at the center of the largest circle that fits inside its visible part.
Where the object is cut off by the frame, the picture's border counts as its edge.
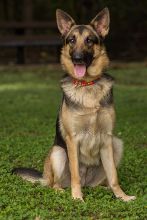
(29, 101)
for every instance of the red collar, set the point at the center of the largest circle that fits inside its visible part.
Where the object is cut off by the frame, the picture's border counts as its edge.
(83, 82)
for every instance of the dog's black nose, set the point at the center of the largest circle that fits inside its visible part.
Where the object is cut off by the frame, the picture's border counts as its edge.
(78, 57)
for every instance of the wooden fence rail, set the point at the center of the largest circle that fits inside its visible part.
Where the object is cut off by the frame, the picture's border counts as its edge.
(20, 35)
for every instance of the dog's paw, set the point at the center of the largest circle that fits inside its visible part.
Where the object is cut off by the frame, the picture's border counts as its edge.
(78, 198)
(58, 188)
(77, 194)
(127, 198)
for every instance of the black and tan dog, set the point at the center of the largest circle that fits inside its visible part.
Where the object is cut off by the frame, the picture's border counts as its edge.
(85, 152)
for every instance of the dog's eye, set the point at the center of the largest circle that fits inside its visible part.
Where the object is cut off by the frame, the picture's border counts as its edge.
(89, 41)
(71, 40)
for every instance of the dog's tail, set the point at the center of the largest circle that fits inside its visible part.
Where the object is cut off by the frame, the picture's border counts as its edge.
(30, 175)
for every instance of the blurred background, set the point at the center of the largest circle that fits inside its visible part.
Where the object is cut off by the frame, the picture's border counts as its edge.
(28, 32)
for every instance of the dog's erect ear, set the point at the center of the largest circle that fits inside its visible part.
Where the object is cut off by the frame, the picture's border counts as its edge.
(64, 21)
(101, 22)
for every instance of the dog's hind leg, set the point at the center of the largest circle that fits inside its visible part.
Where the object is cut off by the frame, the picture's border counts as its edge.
(48, 172)
(96, 175)
(55, 167)
(117, 150)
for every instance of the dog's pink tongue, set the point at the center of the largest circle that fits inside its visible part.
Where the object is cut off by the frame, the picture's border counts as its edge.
(79, 70)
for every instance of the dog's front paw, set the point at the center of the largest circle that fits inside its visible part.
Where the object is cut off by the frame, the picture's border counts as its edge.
(127, 198)
(58, 188)
(79, 197)
(77, 194)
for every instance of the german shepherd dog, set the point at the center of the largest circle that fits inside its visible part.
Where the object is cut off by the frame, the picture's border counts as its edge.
(85, 151)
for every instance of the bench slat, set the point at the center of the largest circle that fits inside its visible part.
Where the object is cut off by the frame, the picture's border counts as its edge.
(27, 25)
(22, 41)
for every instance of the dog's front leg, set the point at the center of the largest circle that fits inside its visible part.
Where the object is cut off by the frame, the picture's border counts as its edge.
(106, 152)
(72, 149)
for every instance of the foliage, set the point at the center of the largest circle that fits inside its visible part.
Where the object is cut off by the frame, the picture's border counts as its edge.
(29, 100)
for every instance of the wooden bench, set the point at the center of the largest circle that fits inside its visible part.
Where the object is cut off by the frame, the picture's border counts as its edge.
(20, 35)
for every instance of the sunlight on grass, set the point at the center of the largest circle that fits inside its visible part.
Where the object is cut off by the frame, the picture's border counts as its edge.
(26, 86)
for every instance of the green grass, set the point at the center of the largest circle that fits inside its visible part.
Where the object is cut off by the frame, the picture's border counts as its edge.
(29, 101)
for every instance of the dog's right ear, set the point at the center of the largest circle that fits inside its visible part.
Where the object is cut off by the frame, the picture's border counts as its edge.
(64, 21)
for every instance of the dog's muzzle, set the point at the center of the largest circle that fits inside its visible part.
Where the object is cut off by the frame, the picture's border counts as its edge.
(81, 61)
(78, 58)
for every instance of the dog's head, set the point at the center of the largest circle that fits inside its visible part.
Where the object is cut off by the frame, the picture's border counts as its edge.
(83, 54)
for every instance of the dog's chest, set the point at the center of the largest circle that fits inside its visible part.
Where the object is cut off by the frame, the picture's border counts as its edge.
(88, 139)
(87, 117)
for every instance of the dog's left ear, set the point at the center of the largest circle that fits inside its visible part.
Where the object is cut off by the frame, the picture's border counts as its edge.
(101, 22)
(64, 21)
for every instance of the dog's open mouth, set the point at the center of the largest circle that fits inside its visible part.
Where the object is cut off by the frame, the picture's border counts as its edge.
(79, 70)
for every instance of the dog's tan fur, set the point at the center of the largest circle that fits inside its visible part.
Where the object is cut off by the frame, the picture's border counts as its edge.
(93, 151)
(100, 62)
(86, 122)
